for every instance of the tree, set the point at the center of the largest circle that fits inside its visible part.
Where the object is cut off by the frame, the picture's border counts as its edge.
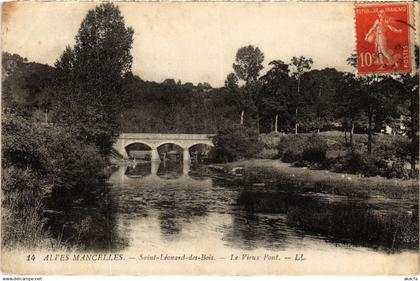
(378, 96)
(236, 93)
(410, 87)
(300, 65)
(234, 142)
(25, 85)
(247, 66)
(348, 105)
(248, 63)
(318, 90)
(276, 84)
(231, 82)
(90, 75)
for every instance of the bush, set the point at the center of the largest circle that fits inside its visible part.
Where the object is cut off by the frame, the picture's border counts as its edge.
(291, 148)
(271, 140)
(316, 150)
(292, 154)
(396, 170)
(38, 159)
(303, 148)
(360, 163)
(392, 147)
(234, 142)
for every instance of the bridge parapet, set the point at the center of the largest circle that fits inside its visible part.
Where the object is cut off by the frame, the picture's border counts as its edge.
(166, 136)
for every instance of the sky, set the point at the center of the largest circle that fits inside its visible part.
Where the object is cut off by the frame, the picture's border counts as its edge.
(192, 42)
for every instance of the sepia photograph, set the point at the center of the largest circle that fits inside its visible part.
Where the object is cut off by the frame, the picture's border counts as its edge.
(210, 138)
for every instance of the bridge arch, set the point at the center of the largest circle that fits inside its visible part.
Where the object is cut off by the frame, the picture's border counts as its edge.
(171, 149)
(190, 145)
(181, 145)
(138, 149)
(199, 151)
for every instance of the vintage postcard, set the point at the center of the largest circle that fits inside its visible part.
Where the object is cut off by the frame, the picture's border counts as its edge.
(210, 138)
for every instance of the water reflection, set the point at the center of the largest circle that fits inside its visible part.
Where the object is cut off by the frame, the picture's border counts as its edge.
(161, 203)
(162, 188)
(337, 220)
(84, 220)
(153, 169)
(250, 231)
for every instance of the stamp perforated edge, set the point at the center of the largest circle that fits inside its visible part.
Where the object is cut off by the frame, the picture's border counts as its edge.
(414, 35)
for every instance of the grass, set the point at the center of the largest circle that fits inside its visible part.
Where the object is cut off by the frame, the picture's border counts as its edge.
(321, 181)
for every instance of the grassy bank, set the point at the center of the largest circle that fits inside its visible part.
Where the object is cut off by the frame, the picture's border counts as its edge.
(368, 211)
(390, 155)
(326, 181)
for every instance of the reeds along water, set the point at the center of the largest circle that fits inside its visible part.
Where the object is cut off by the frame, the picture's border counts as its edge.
(342, 221)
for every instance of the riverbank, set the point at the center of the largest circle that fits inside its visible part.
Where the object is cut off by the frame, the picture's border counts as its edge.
(369, 211)
(322, 181)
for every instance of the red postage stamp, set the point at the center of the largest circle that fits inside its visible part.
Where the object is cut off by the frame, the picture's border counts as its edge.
(383, 38)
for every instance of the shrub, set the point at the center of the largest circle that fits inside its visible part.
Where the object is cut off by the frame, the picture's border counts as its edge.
(303, 148)
(234, 142)
(396, 170)
(271, 140)
(392, 147)
(292, 154)
(316, 150)
(291, 148)
(360, 163)
(35, 160)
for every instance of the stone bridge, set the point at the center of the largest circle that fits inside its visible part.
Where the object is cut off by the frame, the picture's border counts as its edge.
(154, 141)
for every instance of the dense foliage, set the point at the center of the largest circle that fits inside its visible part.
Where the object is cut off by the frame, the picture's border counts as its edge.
(37, 161)
(90, 76)
(57, 126)
(330, 151)
(234, 142)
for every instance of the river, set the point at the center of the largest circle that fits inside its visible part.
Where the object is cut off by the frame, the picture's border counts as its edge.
(170, 205)
(234, 223)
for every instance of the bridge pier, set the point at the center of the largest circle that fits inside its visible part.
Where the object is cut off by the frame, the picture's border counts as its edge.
(155, 155)
(186, 155)
(154, 167)
(186, 168)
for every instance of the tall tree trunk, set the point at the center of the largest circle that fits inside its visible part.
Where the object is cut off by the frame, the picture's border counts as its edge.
(242, 116)
(318, 126)
(258, 122)
(276, 123)
(370, 132)
(345, 135)
(351, 132)
(296, 112)
(345, 131)
(413, 134)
